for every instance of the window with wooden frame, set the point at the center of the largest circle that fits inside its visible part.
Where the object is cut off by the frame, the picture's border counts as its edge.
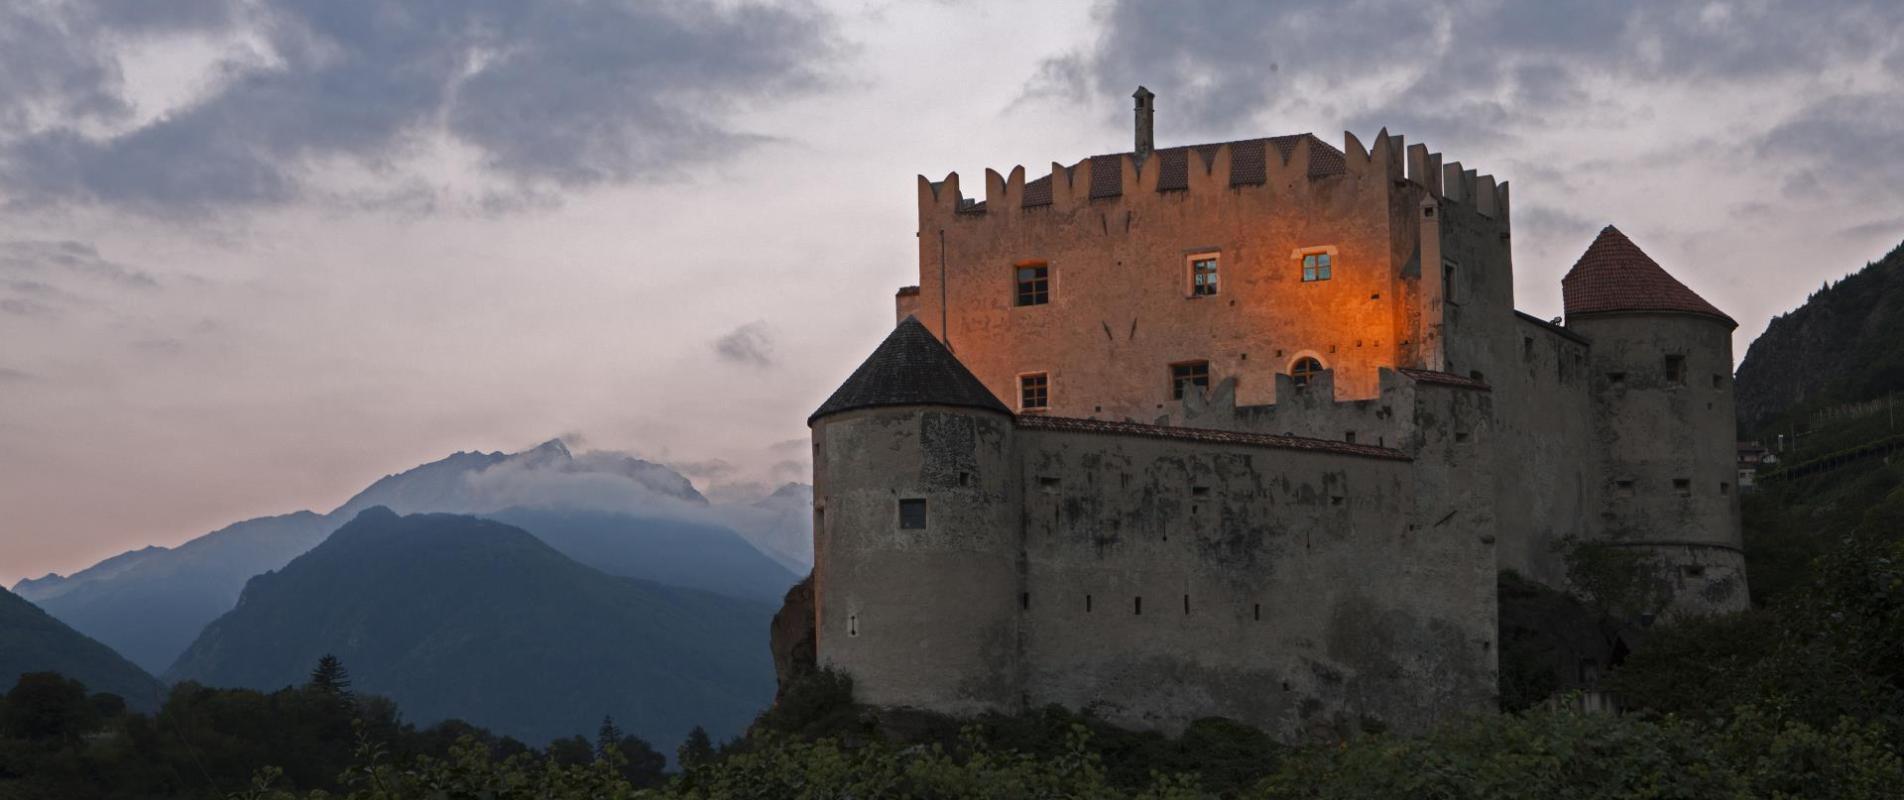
(1304, 370)
(1033, 281)
(1188, 373)
(1317, 267)
(1034, 391)
(1203, 274)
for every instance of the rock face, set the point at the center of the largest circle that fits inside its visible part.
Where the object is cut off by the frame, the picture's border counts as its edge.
(792, 636)
(1839, 347)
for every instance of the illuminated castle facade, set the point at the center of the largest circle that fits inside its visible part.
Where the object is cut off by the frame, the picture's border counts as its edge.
(1249, 430)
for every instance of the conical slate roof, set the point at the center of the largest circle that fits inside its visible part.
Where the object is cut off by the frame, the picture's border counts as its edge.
(1615, 275)
(910, 368)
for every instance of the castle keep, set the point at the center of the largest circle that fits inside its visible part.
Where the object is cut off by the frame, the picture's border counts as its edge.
(1249, 430)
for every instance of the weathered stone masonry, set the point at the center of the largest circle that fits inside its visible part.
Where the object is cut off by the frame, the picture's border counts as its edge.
(1303, 551)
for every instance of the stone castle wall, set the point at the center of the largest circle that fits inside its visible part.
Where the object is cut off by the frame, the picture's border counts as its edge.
(1159, 577)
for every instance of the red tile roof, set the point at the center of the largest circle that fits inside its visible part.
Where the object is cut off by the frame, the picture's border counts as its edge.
(1040, 422)
(1614, 276)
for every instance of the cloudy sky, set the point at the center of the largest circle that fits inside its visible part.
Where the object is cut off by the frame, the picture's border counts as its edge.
(257, 253)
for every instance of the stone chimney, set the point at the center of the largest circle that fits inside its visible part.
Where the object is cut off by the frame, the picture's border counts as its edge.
(1146, 112)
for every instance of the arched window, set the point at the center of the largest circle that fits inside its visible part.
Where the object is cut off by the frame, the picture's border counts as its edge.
(1304, 369)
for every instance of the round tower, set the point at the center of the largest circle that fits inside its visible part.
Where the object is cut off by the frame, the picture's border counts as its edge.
(1661, 375)
(917, 588)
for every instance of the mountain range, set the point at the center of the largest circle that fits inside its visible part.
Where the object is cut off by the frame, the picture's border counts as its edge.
(620, 514)
(458, 616)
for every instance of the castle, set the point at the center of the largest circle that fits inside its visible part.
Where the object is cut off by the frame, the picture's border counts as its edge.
(1249, 430)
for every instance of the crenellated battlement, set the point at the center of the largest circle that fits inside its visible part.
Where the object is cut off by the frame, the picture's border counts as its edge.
(1279, 161)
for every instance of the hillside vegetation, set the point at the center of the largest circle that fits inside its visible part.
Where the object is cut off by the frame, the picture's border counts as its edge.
(1844, 345)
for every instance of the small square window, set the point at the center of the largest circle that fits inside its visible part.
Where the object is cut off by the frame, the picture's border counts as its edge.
(1725, 488)
(912, 513)
(1683, 486)
(1676, 370)
(1316, 267)
(1623, 488)
(1188, 373)
(1616, 378)
(1049, 485)
(1718, 381)
(1034, 284)
(1203, 276)
(1034, 392)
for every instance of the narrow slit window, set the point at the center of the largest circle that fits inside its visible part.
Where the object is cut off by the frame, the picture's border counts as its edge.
(1034, 392)
(912, 513)
(1137, 605)
(1024, 601)
(1447, 281)
(1087, 604)
(1034, 283)
(1256, 611)
(852, 625)
(1186, 605)
(1203, 276)
(1316, 267)
(1186, 374)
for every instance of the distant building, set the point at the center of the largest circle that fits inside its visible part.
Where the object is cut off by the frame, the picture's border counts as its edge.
(1248, 430)
(1753, 457)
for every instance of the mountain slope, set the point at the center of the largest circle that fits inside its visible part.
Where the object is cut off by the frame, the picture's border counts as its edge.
(1845, 344)
(149, 603)
(32, 641)
(465, 617)
(671, 552)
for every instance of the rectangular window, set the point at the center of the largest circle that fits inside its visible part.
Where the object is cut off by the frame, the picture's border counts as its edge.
(1034, 284)
(1447, 281)
(1048, 485)
(912, 513)
(1034, 392)
(1188, 373)
(1676, 370)
(1316, 267)
(1202, 276)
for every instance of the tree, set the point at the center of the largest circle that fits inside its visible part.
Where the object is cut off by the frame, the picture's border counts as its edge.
(607, 738)
(48, 708)
(697, 750)
(330, 677)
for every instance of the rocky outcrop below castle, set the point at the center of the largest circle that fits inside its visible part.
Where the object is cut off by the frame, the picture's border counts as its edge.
(792, 637)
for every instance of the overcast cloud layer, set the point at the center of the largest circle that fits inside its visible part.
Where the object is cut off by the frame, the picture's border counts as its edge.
(255, 253)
